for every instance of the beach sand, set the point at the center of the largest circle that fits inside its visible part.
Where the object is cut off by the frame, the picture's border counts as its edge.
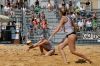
(16, 55)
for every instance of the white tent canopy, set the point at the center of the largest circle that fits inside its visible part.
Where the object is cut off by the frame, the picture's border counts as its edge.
(4, 18)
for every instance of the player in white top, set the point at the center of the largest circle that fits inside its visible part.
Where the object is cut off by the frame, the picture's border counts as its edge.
(70, 38)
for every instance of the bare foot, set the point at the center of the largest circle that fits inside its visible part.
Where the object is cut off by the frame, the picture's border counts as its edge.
(66, 62)
(90, 61)
(80, 61)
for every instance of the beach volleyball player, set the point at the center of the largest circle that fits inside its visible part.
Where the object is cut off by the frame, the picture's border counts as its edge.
(70, 37)
(43, 44)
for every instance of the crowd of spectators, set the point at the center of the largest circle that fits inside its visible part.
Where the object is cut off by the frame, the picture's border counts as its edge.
(37, 23)
(85, 19)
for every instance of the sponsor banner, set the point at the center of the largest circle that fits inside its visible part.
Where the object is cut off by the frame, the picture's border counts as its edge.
(90, 36)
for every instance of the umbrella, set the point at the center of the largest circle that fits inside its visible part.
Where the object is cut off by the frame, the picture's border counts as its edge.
(4, 18)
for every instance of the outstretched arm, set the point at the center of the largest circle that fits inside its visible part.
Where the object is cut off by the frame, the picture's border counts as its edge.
(41, 43)
(60, 25)
(35, 45)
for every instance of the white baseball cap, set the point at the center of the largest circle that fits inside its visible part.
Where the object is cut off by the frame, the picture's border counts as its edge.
(28, 41)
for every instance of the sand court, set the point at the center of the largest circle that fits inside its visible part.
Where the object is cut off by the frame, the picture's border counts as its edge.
(16, 55)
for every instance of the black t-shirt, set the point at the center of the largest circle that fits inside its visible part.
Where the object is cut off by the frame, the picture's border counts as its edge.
(37, 3)
(1, 6)
(70, 3)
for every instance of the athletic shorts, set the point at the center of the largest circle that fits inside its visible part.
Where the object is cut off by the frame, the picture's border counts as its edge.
(70, 34)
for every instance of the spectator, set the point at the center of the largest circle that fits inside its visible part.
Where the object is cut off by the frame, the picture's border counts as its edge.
(30, 28)
(71, 6)
(37, 9)
(50, 7)
(67, 5)
(1, 6)
(12, 13)
(36, 3)
(87, 3)
(38, 20)
(44, 27)
(94, 23)
(82, 8)
(81, 25)
(70, 3)
(77, 10)
(88, 25)
(32, 7)
(88, 15)
(94, 15)
(38, 17)
(42, 15)
(6, 10)
(82, 11)
(17, 4)
(44, 24)
(35, 24)
(8, 2)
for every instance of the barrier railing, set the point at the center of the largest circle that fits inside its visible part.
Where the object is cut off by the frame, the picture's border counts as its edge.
(82, 37)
